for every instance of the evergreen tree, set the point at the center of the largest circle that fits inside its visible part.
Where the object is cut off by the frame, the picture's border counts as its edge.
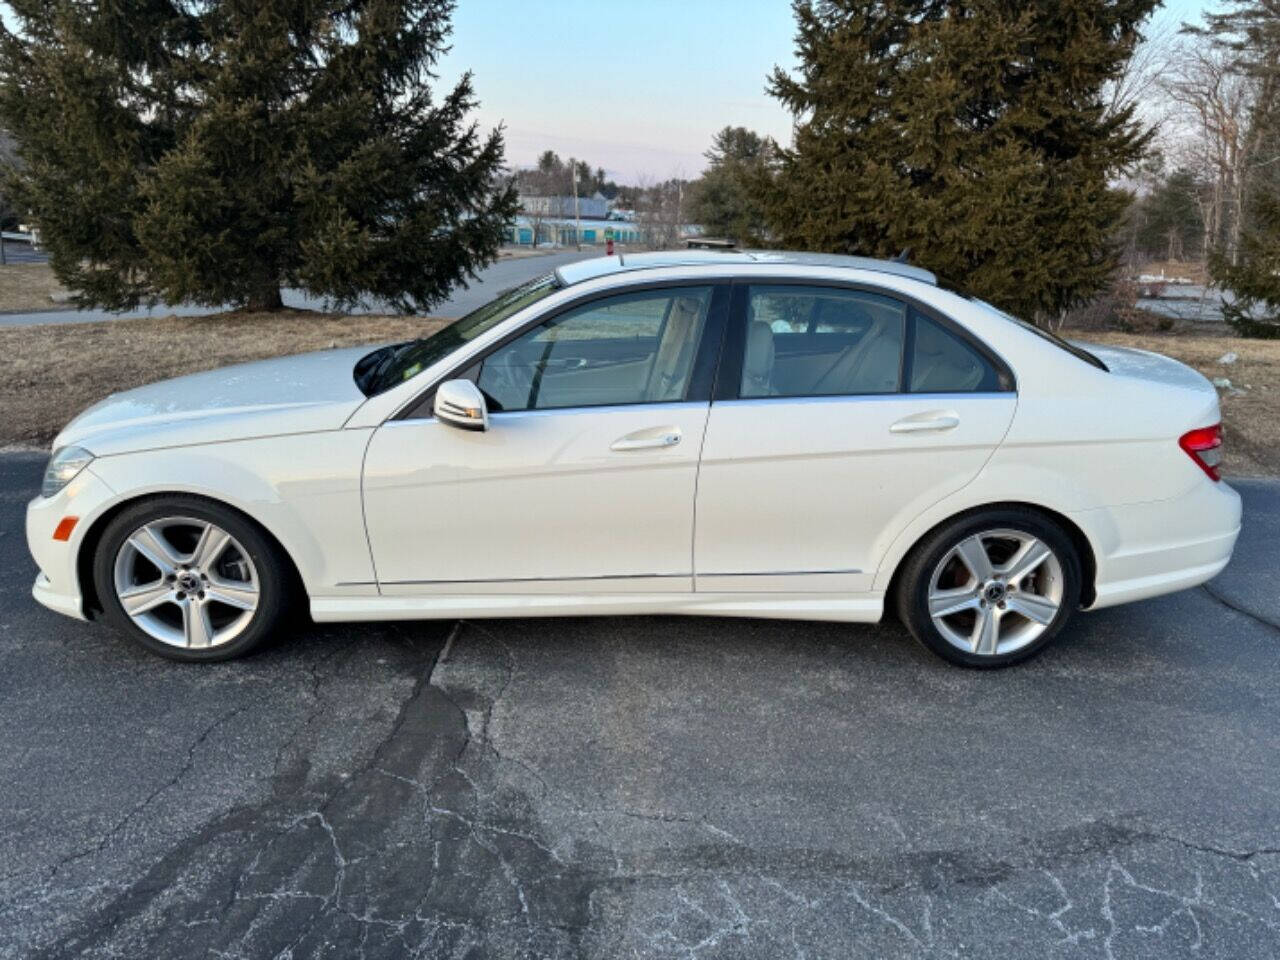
(1254, 278)
(215, 150)
(974, 132)
(1171, 223)
(727, 201)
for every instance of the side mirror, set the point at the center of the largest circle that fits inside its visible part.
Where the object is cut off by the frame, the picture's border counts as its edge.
(460, 404)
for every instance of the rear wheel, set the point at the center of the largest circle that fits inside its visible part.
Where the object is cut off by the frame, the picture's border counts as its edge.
(190, 579)
(990, 589)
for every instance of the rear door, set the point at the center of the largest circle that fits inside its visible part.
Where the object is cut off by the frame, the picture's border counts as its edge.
(840, 413)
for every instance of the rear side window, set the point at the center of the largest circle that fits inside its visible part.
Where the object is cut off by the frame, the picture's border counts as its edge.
(821, 341)
(942, 362)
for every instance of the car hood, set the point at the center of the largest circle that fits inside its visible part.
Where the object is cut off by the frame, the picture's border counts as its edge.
(300, 394)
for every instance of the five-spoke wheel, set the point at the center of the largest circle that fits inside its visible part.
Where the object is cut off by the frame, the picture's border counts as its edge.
(189, 578)
(186, 582)
(991, 588)
(995, 591)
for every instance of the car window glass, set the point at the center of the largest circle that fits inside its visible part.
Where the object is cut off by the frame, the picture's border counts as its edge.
(388, 366)
(634, 348)
(819, 341)
(942, 362)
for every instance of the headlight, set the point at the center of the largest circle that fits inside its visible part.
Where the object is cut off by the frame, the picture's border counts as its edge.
(63, 467)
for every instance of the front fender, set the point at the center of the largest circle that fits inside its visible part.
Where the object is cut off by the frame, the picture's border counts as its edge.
(303, 489)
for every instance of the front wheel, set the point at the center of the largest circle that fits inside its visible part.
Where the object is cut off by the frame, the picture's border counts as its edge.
(190, 579)
(990, 589)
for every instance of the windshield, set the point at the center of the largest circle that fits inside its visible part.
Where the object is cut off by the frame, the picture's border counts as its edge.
(1053, 338)
(384, 368)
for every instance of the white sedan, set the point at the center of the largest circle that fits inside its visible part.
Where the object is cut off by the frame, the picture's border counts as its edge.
(728, 434)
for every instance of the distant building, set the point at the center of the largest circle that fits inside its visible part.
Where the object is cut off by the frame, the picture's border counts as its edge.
(595, 207)
(562, 231)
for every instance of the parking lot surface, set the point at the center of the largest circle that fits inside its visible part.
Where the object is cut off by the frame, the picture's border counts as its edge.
(646, 787)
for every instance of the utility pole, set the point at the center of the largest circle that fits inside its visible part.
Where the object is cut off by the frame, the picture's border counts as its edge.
(577, 215)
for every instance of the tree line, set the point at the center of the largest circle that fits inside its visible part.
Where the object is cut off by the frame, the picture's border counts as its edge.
(216, 151)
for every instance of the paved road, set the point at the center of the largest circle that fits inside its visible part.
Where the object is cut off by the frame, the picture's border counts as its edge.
(646, 787)
(503, 274)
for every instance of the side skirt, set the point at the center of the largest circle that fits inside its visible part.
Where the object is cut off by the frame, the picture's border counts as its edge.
(860, 608)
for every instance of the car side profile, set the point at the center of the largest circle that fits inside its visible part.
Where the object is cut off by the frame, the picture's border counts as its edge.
(730, 434)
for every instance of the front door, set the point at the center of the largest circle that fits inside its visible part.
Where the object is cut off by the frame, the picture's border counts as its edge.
(584, 480)
(843, 413)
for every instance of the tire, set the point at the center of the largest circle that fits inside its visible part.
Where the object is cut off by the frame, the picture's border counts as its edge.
(1028, 590)
(203, 582)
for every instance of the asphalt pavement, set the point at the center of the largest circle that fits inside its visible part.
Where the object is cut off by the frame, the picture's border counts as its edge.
(503, 274)
(646, 787)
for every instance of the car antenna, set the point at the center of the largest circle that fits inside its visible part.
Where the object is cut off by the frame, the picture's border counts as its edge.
(903, 257)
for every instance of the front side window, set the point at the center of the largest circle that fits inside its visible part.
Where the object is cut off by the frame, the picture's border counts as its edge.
(390, 366)
(633, 348)
(821, 341)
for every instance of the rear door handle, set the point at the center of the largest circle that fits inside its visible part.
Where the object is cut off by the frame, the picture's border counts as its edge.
(650, 439)
(923, 423)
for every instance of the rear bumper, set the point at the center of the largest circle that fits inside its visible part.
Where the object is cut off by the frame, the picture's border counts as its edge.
(1148, 549)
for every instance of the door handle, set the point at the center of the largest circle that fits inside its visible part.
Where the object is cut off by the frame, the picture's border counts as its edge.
(650, 439)
(927, 422)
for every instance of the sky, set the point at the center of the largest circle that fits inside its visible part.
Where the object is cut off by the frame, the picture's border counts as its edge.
(635, 86)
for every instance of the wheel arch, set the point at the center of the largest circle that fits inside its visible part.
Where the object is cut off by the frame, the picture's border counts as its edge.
(1084, 548)
(91, 603)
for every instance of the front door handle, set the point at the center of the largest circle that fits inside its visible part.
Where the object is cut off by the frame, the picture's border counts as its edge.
(651, 439)
(921, 423)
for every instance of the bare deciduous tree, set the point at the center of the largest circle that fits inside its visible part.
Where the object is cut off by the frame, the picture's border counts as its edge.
(660, 212)
(1213, 100)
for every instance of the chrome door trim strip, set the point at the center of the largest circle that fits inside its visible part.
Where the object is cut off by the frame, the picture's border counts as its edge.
(778, 573)
(607, 576)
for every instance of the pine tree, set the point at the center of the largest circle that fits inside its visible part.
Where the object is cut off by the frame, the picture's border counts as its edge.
(727, 201)
(214, 151)
(1171, 220)
(974, 132)
(1254, 279)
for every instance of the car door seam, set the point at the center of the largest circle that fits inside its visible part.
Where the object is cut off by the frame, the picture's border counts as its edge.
(364, 511)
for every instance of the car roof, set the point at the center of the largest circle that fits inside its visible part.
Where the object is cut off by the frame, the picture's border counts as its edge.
(583, 270)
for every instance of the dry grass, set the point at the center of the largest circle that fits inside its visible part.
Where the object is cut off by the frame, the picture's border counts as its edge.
(1192, 270)
(1251, 421)
(50, 373)
(26, 287)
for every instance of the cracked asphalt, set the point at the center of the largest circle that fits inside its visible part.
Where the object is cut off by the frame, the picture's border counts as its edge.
(646, 787)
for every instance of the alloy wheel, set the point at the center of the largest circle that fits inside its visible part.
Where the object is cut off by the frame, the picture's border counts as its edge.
(186, 582)
(995, 592)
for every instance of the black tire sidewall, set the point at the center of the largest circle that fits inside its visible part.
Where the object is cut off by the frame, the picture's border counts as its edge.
(913, 590)
(273, 580)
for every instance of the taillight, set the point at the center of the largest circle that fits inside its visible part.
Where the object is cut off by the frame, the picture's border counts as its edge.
(1204, 446)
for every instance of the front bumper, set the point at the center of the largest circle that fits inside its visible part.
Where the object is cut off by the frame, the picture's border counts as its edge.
(58, 585)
